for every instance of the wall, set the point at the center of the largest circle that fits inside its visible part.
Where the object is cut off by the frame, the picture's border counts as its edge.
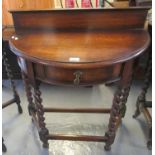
(22, 5)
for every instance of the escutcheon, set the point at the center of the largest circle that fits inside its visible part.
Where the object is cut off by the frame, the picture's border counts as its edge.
(77, 77)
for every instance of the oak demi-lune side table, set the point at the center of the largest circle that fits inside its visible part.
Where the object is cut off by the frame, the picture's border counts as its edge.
(78, 47)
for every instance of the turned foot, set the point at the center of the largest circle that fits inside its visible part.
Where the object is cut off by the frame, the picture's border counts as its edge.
(149, 145)
(140, 100)
(137, 113)
(107, 148)
(45, 145)
(4, 149)
(43, 137)
(20, 110)
(109, 84)
(88, 86)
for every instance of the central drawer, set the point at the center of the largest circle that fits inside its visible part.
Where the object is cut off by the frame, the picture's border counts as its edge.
(65, 76)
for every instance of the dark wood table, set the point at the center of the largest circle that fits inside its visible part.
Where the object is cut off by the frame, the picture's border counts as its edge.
(79, 47)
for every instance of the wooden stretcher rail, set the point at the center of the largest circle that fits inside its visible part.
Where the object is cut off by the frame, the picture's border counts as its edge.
(77, 137)
(77, 110)
(8, 103)
(148, 104)
(147, 116)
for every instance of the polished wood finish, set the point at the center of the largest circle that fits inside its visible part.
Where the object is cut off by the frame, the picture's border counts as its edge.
(79, 47)
(62, 46)
(94, 110)
(67, 76)
(78, 138)
(79, 19)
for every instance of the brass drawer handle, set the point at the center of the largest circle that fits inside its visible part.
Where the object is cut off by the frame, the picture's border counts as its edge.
(77, 77)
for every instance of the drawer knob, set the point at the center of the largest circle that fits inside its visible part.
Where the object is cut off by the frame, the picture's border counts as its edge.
(77, 77)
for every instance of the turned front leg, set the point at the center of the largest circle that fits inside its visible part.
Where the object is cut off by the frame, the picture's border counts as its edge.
(119, 104)
(31, 105)
(43, 132)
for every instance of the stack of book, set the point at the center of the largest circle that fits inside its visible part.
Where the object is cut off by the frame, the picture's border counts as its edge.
(83, 3)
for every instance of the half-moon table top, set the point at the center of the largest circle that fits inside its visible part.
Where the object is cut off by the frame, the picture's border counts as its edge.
(76, 48)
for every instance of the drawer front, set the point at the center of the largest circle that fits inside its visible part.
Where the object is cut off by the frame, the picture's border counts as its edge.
(79, 76)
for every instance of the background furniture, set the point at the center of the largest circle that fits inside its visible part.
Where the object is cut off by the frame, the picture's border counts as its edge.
(84, 51)
(16, 98)
(140, 2)
(143, 105)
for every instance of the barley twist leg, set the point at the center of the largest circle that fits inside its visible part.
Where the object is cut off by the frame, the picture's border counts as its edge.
(43, 133)
(119, 104)
(28, 89)
(10, 76)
